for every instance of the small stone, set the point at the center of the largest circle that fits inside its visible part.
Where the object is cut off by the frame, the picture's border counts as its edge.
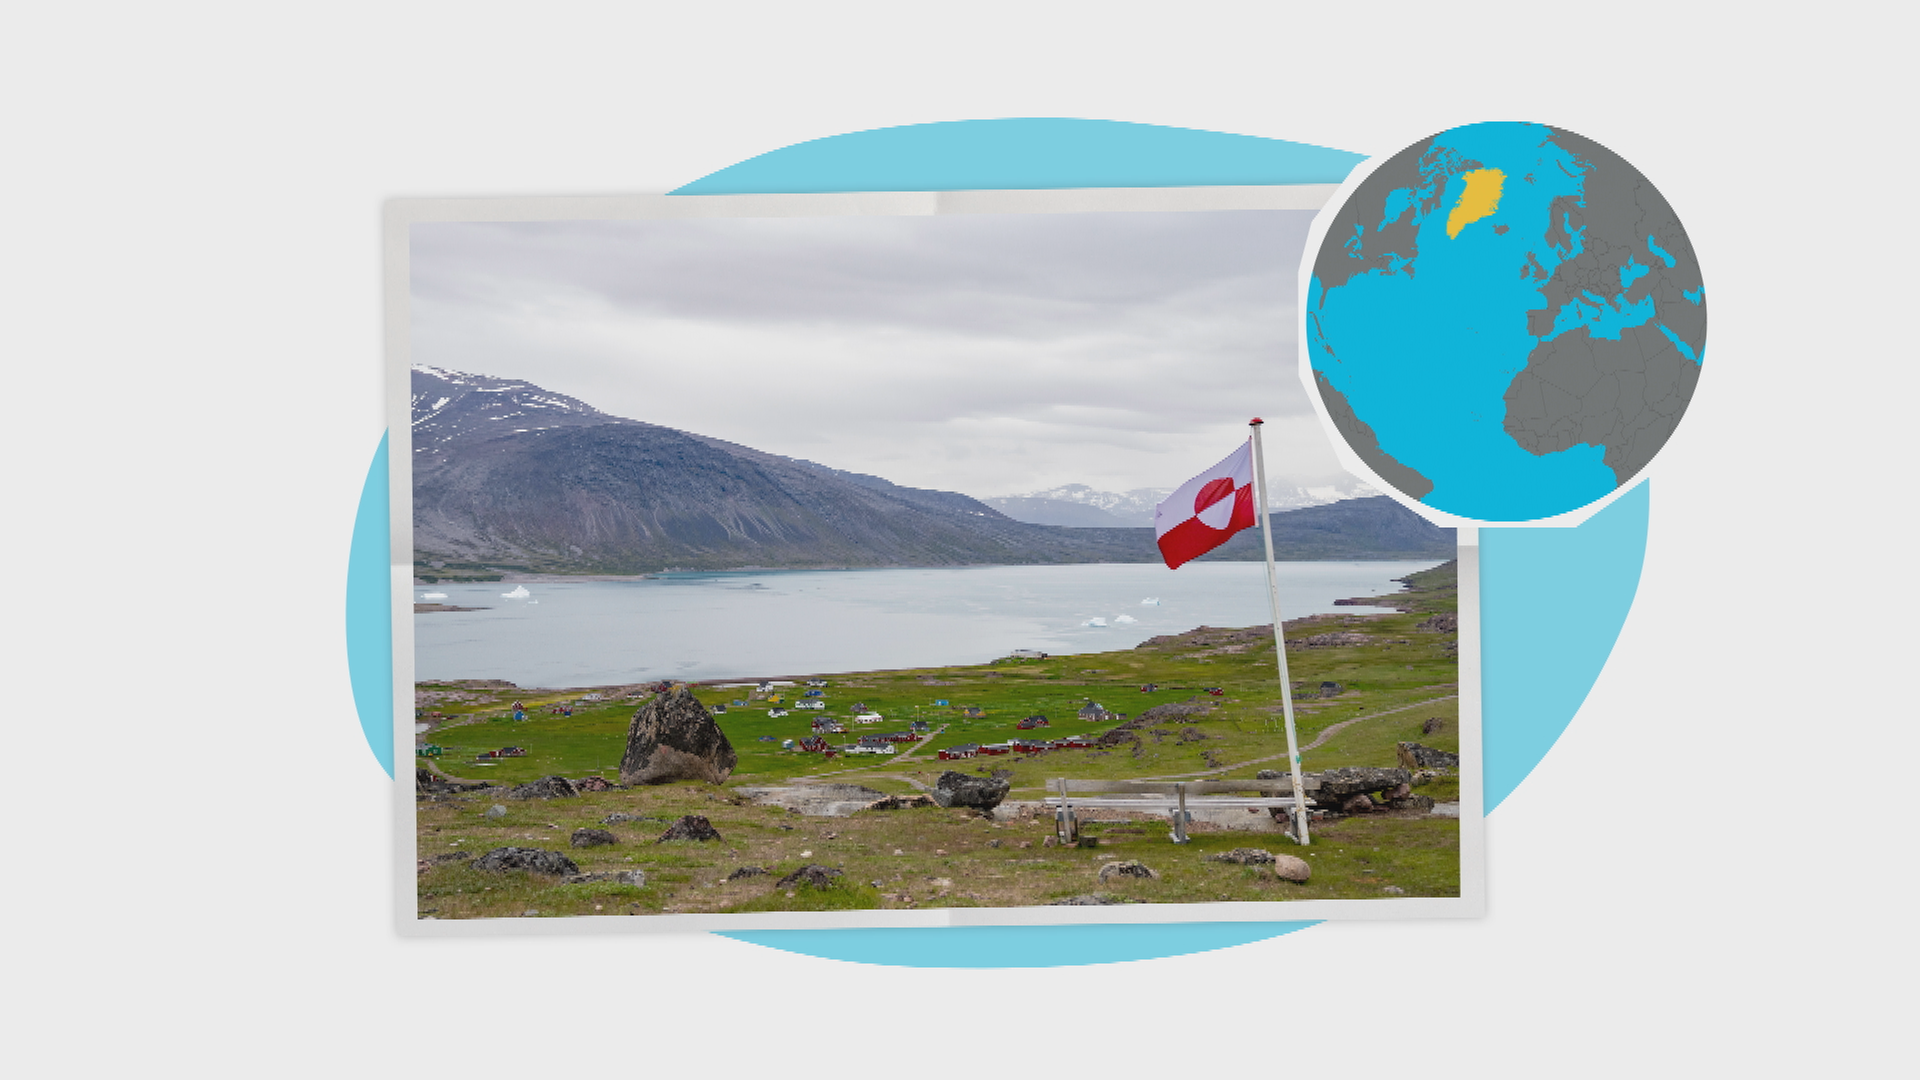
(1289, 868)
(939, 851)
(529, 913)
(1127, 869)
(994, 843)
(810, 875)
(1356, 804)
(593, 838)
(1394, 890)
(496, 811)
(520, 858)
(806, 854)
(746, 872)
(690, 827)
(897, 851)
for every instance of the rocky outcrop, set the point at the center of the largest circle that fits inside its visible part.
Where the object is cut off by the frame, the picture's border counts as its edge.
(1127, 869)
(971, 792)
(747, 872)
(812, 876)
(1445, 623)
(592, 783)
(520, 858)
(1244, 856)
(615, 877)
(691, 827)
(1337, 786)
(593, 838)
(901, 802)
(1098, 899)
(672, 737)
(1411, 802)
(1414, 756)
(1433, 724)
(547, 787)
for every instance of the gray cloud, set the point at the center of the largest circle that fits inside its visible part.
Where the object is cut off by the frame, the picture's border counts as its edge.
(984, 354)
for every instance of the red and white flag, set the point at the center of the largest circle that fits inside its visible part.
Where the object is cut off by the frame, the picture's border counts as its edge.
(1203, 512)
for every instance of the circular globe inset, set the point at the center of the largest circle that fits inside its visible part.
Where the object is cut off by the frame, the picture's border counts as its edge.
(1505, 321)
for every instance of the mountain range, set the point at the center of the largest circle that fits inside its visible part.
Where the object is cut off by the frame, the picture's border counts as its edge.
(1081, 507)
(509, 476)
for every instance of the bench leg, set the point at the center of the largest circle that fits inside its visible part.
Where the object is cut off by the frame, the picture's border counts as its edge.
(1065, 825)
(1180, 818)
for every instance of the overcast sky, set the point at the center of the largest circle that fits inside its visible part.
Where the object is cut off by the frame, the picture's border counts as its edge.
(990, 355)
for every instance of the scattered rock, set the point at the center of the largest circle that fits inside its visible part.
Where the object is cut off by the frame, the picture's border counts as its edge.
(1446, 622)
(1433, 724)
(1412, 802)
(592, 783)
(547, 787)
(995, 843)
(1356, 804)
(812, 875)
(745, 872)
(672, 737)
(625, 819)
(1097, 899)
(1394, 890)
(1415, 756)
(1400, 792)
(617, 877)
(520, 858)
(975, 792)
(495, 811)
(691, 827)
(1291, 868)
(1428, 776)
(1244, 856)
(593, 838)
(1127, 869)
(450, 857)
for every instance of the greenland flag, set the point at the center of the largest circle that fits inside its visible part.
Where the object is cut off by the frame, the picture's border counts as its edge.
(1207, 509)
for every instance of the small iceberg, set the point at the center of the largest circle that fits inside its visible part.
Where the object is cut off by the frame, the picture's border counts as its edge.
(519, 593)
(1151, 601)
(433, 596)
(1095, 622)
(1124, 619)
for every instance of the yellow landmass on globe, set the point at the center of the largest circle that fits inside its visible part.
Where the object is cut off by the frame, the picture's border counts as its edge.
(1482, 197)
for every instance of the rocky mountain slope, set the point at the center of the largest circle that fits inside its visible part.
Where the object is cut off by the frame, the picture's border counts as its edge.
(510, 476)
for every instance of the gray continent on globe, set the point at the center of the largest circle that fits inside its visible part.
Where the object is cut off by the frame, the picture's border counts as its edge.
(1628, 394)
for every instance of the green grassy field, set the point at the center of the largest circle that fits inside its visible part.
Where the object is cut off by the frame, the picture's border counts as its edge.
(1391, 682)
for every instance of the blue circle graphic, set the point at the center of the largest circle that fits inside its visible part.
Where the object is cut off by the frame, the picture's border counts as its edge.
(1537, 666)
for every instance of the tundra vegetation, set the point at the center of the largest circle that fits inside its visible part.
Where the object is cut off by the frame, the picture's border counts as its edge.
(1364, 682)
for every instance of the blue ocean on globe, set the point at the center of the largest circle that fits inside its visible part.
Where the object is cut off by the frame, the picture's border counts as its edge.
(1463, 261)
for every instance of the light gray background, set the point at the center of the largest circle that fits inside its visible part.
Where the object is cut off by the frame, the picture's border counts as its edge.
(193, 322)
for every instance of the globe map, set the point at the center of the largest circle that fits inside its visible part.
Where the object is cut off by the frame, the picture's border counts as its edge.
(1506, 321)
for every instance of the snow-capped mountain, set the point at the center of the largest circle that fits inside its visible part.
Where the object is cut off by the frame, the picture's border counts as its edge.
(1080, 506)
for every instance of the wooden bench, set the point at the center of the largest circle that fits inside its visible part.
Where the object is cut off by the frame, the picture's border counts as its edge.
(1176, 798)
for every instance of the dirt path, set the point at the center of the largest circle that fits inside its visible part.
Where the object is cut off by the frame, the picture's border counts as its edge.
(1320, 740)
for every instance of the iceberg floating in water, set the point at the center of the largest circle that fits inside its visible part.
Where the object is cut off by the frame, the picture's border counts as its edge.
(433, 596)
(1151, 601)
(1124, 619)
(519, 593)
(1095, 622)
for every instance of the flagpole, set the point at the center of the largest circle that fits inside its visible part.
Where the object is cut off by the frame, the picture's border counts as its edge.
(1279, 640)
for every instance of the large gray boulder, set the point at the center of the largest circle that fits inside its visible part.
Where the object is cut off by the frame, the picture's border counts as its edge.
(520, 858)
(672, 737)
(1339, 785)
(972, 792)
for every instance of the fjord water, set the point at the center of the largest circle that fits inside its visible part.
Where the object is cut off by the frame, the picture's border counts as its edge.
(745, 625)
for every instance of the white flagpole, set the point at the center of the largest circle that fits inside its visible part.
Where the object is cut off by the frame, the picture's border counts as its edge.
(1279, 641)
